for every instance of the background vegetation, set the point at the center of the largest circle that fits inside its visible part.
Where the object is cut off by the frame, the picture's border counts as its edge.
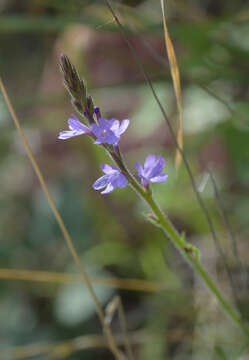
(169, 313)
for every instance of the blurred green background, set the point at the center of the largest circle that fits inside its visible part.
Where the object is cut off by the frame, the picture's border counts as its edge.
(113, 239)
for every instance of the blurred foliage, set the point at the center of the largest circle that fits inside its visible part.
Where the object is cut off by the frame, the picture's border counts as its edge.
(110, 234)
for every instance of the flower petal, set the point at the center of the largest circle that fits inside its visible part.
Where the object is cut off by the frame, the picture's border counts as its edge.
(108, 169)
(140, 169)
(108, 189)
(96, 130)
(149, 162)
(158, 167)
(75, 124)
(115, 124)
(118, 179)
(159, 178)
(104, 124)
(122, 181)
(101, 182)
(124, 125)
(67, 134)
(111, 139)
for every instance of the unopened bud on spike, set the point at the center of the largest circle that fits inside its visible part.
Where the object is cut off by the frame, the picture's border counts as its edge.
(97, 112)
(76, 104)
(72, 81)
(90, 105)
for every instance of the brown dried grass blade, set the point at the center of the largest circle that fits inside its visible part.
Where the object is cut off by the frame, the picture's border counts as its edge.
(176, 82)
(109, 335)
(60, 278)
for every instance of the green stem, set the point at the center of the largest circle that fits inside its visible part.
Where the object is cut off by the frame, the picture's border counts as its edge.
(169, 230)
(188, 252)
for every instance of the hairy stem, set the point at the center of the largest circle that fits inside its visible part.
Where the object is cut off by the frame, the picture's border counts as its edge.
(189, 252)
(190, 257)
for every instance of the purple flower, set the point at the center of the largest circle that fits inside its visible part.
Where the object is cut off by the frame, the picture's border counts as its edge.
(113, 178)
(109, 131)
(76, 128)
(152, 171)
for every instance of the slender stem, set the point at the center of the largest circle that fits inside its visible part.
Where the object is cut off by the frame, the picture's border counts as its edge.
(175, 141)
(115, 305)
(228, 229)
(123, 324)
(109, 335)
(182, 246)
(169, 230)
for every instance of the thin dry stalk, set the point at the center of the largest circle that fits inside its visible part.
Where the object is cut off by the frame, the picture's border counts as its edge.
(110, 338)
(176, 82)
(116, 305)
(98, 341)
(229, 231)
(55, 277)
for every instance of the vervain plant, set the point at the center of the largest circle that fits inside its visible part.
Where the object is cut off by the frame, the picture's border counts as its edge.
(107, 134)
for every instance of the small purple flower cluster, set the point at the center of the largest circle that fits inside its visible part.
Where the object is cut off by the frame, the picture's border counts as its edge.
(109, 132)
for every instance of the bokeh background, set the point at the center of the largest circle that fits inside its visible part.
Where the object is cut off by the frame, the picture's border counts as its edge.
(169, 312)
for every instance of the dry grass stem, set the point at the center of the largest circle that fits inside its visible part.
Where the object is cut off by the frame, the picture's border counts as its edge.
(115, 305)
(176, 82)
(56, 277)
(110, 338)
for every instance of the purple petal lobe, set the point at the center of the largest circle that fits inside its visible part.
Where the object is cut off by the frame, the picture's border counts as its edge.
(139, 169)
(115, 126)
(96, 130)
(76, 128)
(108, 169)
(159, 178)
(101, 182)
(67, 134)
(158, 166)
(124, 125)
(122, 181)
(111, 139)
(63, 135)
(108, 189)
(149, 161)
(75, 124)
(105, 124)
